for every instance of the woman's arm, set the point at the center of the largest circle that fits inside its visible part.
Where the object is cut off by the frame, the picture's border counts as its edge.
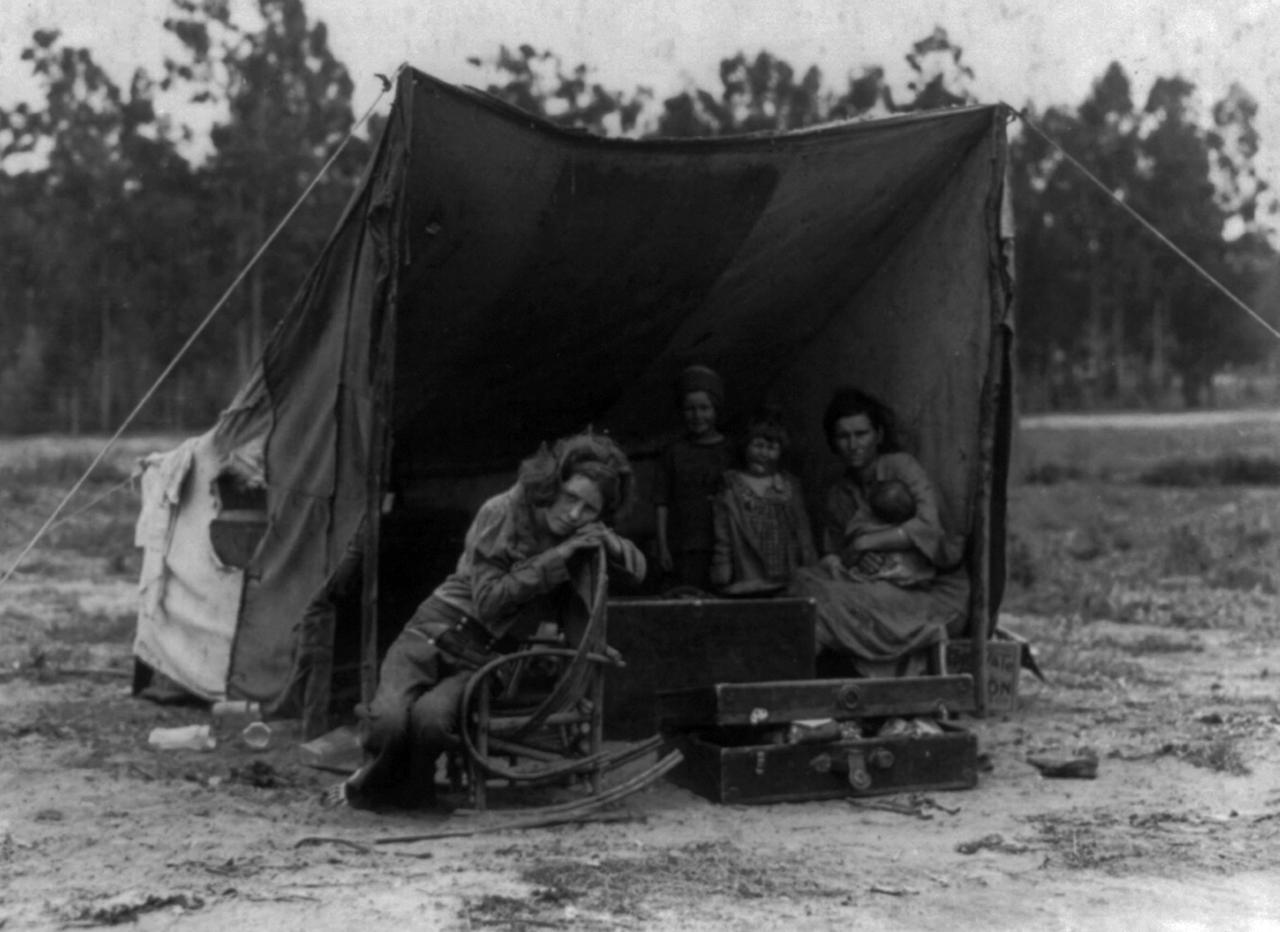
(833, 524)
(664, 548)
(499, 583)
(624, 556)
(893, 537)
(804, 530)
(663, 479)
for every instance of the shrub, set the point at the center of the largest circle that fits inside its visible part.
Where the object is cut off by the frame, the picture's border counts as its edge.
(61, 469)
(1051, 473)
(1224, 469)
(1220, 754)
(1243, 579)
(1186, 553)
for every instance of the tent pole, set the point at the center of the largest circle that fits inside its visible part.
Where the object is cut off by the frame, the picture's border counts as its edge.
(374, 486)
(980, 603)
(996, 405)
(378, 464)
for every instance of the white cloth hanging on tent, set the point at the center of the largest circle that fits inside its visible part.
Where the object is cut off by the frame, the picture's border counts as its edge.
(188, 600)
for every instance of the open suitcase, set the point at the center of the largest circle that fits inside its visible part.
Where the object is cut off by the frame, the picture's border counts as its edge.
(820, 739)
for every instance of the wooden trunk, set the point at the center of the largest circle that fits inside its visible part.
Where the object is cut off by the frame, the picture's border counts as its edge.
(791, 741)
(676, 644)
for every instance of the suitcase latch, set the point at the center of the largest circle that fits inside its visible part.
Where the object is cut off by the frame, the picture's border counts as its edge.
(849, 698)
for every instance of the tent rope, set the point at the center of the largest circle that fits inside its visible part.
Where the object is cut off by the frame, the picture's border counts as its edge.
(1146, 223)
(201, 327)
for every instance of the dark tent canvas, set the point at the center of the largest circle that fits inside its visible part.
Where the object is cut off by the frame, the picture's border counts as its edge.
(497, 282)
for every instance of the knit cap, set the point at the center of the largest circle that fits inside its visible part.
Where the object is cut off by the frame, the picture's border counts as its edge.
(699, 378)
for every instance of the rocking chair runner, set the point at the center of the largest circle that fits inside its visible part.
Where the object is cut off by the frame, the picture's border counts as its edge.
(505, 735)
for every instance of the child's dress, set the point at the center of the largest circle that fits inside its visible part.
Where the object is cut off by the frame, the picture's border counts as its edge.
(761, 538)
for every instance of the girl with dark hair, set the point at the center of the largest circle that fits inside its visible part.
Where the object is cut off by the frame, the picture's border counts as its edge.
(874, 620)
(524, 562)
(762, 533)
(689, 475)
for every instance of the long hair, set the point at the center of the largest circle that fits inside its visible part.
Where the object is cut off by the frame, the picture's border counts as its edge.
(591, 455)
(849, 402)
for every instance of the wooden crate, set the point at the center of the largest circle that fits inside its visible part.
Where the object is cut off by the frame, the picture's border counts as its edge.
(1004, 661)
(678, 644)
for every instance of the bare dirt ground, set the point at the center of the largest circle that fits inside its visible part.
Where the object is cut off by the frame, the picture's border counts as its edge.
(1154, 613)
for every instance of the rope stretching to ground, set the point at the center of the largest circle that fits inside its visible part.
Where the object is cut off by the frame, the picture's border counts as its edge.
(200, 328)
(1146, 223)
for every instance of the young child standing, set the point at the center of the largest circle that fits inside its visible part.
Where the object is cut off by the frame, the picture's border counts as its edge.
(762, 531)
(689, 475)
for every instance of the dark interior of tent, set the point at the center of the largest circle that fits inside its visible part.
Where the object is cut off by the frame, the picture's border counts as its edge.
(514, 283)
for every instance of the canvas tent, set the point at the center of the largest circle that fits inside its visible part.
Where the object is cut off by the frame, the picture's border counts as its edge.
(497, 282)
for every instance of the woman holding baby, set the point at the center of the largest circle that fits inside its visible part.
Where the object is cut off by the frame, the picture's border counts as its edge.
(891, 579)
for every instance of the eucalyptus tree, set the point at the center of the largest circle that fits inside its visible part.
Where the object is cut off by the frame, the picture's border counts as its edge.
(281, 104)
(87, 237)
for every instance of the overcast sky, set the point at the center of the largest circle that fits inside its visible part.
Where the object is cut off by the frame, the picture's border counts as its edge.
(1020, 50)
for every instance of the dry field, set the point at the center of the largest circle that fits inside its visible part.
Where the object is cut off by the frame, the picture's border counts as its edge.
(1152, 608)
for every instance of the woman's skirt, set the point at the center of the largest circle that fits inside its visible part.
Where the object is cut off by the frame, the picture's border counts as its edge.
(878, 621)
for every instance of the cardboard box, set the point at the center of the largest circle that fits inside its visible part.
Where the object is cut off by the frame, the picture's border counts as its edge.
(1004, 661)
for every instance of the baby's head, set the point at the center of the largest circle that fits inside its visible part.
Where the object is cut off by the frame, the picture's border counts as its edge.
(891, 501)
(700, 394)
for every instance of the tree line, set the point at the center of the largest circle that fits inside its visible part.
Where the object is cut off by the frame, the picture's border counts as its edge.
(121, 229)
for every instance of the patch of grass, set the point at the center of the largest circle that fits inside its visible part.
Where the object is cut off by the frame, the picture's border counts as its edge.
(1243, 579)
(36, 473)
(97, 629)
(60, 468)
(1062, 592)
(1186, 552)
(624, 885)
(1080, 844)
(1091, 669)
(104, 534)
(1190, 621)
(1052, 473)
(1021, 561)
(1225, 469)
(1220, 754)
(1126, 445)
(1152, 644)
(1069, 662)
